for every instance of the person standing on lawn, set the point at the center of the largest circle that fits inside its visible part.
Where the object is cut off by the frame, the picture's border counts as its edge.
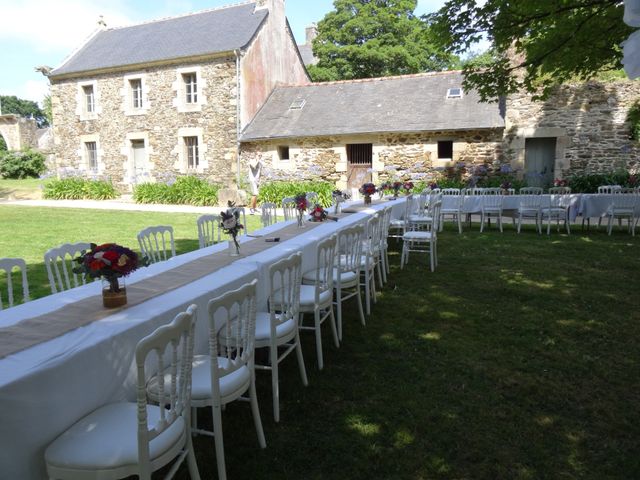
(255, 171)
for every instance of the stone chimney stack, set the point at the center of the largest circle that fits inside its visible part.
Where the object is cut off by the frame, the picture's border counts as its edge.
(311, 32)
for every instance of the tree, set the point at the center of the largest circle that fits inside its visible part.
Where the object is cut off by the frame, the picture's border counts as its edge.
(375, 38)
(24, 108)
(536, 45)
(47, 109)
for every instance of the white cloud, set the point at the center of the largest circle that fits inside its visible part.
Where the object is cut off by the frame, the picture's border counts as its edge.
(63, 25)
(35, 90)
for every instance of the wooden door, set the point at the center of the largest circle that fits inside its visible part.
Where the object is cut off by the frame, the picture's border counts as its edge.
(139, 160)
(539, 161)
(359, 158)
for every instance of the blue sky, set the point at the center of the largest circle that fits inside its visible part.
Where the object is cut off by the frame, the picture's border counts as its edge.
(44, 32)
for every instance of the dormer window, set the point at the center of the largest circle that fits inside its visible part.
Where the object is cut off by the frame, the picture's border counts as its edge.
(454, 93)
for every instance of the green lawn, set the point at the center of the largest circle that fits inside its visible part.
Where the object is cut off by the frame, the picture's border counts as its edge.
(28, 188)
(517, 359)
(28, 232)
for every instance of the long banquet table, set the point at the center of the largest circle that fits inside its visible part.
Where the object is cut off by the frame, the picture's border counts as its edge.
(45, 388)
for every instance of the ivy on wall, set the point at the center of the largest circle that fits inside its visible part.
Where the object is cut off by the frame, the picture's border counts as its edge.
(633, 117)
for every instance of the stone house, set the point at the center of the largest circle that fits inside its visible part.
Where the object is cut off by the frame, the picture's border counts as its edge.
(416, 125)
(171, 96)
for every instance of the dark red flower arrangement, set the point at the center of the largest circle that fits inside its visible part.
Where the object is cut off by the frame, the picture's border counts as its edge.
(109, 261)
(318, 214)
(301, 202)
(368, 189)
(560, 182)
(408, 186)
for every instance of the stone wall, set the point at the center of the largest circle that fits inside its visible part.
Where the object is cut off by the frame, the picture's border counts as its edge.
(588, 120)
(402, 155)
(159, 124)
(18, 132)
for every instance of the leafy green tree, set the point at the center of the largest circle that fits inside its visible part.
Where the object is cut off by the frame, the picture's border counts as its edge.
(24, 108)
(535, 44)
(3, 144)
(48, 110)
(375, 38)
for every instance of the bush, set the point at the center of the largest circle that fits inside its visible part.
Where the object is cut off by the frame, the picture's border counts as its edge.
(276, 191)
(27, 163)
(589, 183)
(633, 117)
(187, 190)
(76, 188)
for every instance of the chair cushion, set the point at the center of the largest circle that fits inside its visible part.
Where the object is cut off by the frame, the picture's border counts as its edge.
(236, 381)
(307, 297)
(107, 438)
(263, 327)
(418, 236)
(420, 219)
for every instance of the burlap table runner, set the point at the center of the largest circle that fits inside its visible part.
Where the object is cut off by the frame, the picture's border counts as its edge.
(32, 331)
(359, 207)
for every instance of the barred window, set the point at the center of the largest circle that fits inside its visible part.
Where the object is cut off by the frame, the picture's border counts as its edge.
(92, 155)
(192, 154)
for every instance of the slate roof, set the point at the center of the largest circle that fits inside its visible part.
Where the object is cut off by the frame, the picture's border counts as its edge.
(411, 103)
(212, 31)
(306, 53)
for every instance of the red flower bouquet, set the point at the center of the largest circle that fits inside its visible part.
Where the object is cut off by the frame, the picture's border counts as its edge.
(108, 261)
(318, 214)
(368, 189)
(231, 225)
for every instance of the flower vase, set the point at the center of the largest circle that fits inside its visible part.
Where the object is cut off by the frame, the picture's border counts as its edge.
(233, 248)
(114, 292)
(300, 219)
(395, 195)
(336, 210)
(367, 199)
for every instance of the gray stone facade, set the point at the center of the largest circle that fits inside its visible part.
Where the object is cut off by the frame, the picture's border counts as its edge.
(587, 121)
(161, 124)
(412, 155)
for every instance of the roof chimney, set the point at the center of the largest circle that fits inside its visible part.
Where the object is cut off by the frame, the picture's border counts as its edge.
(311, 32)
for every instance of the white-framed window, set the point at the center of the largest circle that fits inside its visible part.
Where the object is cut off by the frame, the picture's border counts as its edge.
(189, 87)
(190, 81)
(134, 94)
(91, 154)
(454, 92)
(135, 87)
(191, 152)
(88, 100)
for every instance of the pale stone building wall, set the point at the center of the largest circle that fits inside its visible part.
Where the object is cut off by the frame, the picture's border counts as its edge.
(409, 153)
(587, 119)
(160, 124)
(18, 132)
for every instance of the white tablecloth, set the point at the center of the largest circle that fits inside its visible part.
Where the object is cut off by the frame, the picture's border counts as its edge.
(47, 388)
(473, 203)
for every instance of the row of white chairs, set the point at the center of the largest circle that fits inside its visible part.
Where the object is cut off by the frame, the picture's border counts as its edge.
(166, 411)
